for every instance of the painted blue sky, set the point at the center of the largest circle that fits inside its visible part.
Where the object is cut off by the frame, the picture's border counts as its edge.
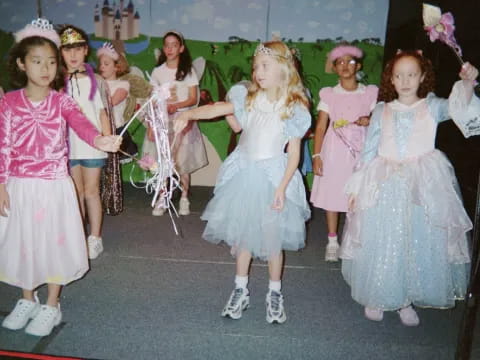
(216, 20)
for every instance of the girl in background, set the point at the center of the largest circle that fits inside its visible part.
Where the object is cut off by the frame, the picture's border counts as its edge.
(86, 162)
(110, 67)
(344, 112)
(259, 206)
(175, 68)
(405, 240)
(42, 240)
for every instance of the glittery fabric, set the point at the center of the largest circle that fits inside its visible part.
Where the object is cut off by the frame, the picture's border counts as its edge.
(111, 181)
(33, 140)
(406, 240)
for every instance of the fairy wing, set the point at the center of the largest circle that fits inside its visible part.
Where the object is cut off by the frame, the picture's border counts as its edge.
(431, 15)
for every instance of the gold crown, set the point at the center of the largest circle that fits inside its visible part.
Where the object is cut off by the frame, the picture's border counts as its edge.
(70, 37)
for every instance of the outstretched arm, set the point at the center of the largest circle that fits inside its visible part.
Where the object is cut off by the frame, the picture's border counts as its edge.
(206, 112)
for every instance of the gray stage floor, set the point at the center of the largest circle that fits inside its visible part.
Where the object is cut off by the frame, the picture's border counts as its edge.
(153, 295)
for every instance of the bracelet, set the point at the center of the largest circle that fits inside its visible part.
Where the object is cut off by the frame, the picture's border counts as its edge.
(315, 155)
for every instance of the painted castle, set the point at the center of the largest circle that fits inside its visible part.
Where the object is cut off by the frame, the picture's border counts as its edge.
(116, 22)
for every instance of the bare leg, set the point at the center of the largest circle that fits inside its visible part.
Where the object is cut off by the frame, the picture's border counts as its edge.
(28, 295)
(53, 294)
(275, 265)
(77, 177)
(332, 221)
(93, 202)
(243, 262)
(185, 182)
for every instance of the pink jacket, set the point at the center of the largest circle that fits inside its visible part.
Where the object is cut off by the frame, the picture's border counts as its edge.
(33, 139)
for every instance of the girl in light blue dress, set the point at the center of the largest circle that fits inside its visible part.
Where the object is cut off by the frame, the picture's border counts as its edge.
(405, 240)
(259, 206)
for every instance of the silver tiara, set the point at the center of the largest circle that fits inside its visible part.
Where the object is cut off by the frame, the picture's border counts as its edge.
(261, 49)
(43, 24)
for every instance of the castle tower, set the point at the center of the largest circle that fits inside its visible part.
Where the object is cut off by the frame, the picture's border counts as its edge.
(136, 25)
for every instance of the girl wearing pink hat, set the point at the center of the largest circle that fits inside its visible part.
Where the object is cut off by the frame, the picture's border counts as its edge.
(339, 135)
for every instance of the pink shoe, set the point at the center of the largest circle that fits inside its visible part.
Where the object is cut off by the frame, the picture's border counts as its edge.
(373, 314)
(409, 316)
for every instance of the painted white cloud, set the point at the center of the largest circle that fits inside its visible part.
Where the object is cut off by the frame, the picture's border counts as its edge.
(221, 23)
(313, 24)
(16, 19)
(70, 15)
(362, 27)
(202, 10)
(184, 19)
(81, 3)
(254, 6)
(346, 16)
(369, 7)
(316, 3)
(161, 22)
(340, 5)
(244, 27)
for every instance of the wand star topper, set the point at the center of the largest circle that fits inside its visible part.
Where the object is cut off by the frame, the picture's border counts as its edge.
(441, 27)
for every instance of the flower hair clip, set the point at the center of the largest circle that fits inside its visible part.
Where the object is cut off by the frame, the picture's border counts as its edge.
(39, 27)
(108, 50)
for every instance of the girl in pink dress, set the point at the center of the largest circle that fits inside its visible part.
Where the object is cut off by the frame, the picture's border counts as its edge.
(338, 142)
(41, 232)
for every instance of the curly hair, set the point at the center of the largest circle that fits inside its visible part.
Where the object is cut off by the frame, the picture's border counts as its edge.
(293, 89)
(18, 77)
(387, 91)
(185, 59)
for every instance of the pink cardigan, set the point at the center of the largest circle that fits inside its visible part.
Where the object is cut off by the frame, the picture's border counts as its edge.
(33, 139)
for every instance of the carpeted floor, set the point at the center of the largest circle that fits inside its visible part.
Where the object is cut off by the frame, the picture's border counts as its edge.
(153, 295)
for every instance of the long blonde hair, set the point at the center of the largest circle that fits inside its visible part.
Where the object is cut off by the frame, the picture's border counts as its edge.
(293, 88)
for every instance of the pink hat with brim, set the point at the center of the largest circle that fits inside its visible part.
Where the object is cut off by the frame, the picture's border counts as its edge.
(340, 51)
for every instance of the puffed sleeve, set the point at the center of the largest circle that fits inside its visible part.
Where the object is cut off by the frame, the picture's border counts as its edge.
(369, 152)
(237, 96)
(299, 123)
(464, 109)
(77, 120)
(5, 139)
(438, 107)
(324, 96)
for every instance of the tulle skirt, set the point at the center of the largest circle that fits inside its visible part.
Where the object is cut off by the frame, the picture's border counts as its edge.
(42, 240)
(241, 214)
(406, 242)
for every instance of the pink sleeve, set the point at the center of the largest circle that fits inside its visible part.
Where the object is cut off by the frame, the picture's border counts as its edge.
(77, 121)
(5, 140)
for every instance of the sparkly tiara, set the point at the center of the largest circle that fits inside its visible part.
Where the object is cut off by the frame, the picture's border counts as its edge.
(39, 27)
(108, 50)
(263, 50)
(71, 37)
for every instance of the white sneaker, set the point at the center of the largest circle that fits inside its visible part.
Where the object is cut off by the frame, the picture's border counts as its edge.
(409, 316)
(275, 309)
(47, 318)
(159, 208)
(331, 251)
(23, 311)
(95, 246)
(184, 206)
(238, 301)
(374, 314)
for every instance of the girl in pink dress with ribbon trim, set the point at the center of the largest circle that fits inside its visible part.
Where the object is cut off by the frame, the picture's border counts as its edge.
(338, 142)
(41, 232)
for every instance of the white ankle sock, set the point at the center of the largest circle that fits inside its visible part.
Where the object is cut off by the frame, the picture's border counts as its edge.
(241, 281)
(333, 239)
(275, 285)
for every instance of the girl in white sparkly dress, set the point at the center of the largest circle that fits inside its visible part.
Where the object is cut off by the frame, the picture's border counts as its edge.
(405, 240)
(259, 206)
